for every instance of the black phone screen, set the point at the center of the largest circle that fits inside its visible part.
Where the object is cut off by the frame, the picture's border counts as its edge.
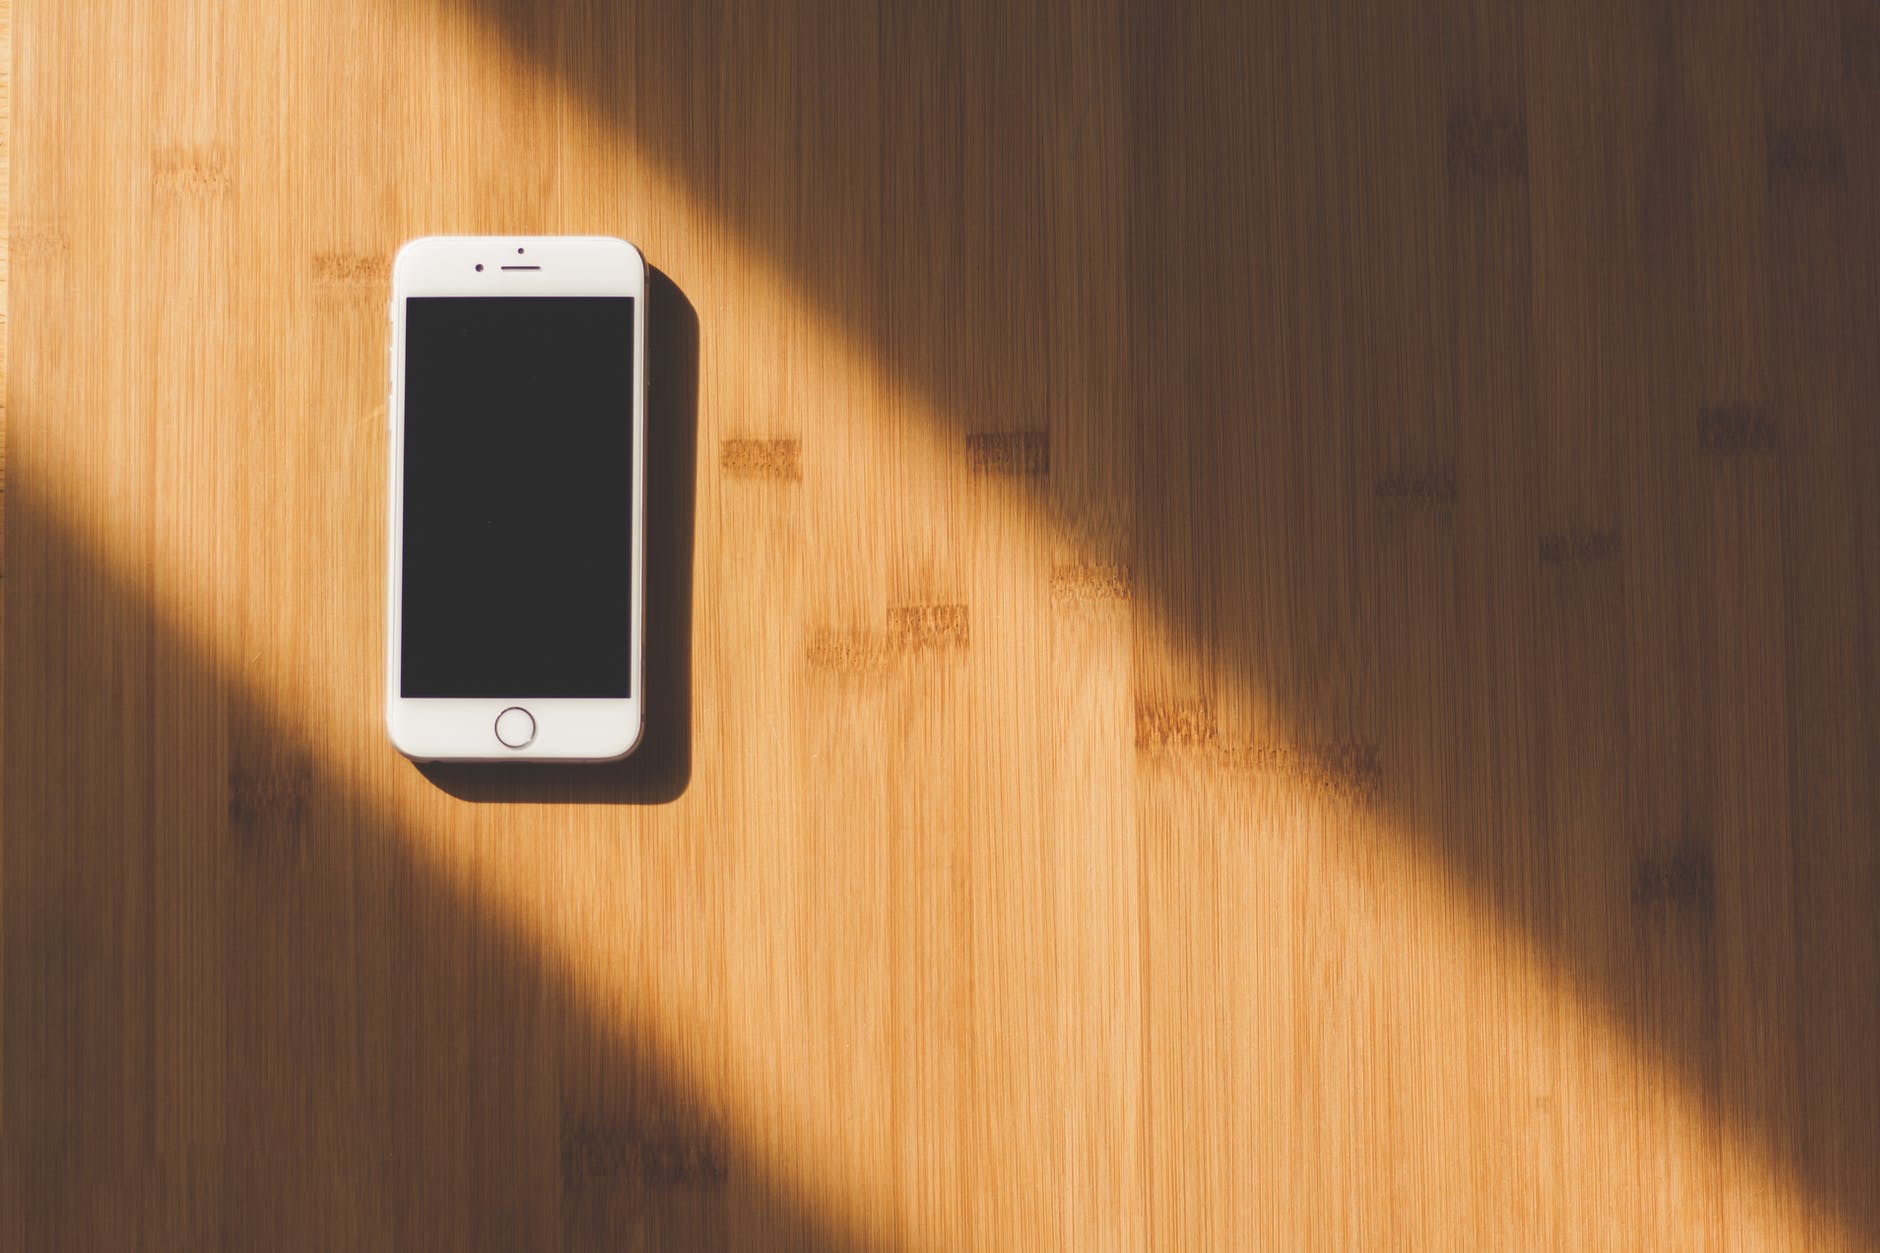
(518, 497)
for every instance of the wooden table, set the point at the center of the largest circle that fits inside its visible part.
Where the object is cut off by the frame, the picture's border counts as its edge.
(1263, 633)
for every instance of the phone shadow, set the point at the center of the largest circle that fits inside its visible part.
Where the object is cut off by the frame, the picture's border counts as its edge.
(660, 769)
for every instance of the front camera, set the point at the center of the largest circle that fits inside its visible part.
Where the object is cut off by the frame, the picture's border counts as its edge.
(479, 267)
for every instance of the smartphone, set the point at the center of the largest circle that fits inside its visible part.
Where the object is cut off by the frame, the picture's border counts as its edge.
(517, 510)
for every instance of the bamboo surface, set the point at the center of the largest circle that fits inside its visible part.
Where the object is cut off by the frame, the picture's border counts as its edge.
(1262, 633)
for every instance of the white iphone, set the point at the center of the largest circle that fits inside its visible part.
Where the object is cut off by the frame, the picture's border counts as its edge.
(517, 518)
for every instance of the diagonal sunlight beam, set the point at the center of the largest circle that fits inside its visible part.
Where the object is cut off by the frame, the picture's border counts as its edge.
(1443, 919)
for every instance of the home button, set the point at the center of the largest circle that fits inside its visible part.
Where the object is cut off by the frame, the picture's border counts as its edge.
(515, 727)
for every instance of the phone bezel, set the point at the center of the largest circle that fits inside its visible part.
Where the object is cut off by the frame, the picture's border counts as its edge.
(464, 729)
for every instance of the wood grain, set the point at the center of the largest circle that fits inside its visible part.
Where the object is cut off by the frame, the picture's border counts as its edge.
(1263, 633)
